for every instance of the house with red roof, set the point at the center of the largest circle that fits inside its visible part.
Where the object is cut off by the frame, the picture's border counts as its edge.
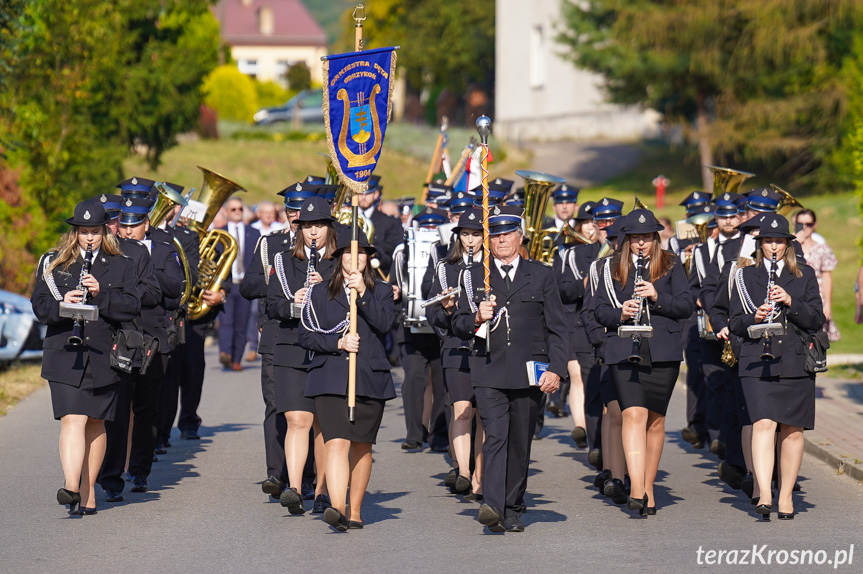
(266, 37)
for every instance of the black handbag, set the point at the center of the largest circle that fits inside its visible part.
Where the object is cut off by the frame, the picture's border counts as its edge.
(814, 350)
(133, 349)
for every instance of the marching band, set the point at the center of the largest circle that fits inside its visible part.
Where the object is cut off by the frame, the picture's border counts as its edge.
(499, 315)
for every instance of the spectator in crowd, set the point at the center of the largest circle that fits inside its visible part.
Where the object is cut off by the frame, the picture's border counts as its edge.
(821, 259)
(667, 232)
(267, 215)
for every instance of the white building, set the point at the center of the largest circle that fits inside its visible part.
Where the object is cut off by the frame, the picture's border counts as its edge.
(268, 36)
(539, 95)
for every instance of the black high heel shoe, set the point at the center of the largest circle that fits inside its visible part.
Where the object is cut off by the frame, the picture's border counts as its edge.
(73, 499)
(647, 510)
(637, 503)
(764, 510)
(87, 511)
(335, 519)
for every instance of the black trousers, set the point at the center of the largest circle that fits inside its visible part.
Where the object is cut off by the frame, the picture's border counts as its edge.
(170, 393)
(509, 418)
(696, 411)
(590, 372)
(138, 394)
(275, 425)
(715, 393)
(192, 377)
(419, 359)
(734, 415)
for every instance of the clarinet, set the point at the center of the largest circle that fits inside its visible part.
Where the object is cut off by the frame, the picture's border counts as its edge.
(297, 308)
(767, 350)
(634, 357)
(76, 339)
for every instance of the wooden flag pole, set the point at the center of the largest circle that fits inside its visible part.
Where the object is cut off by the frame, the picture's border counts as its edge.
(359, 15)
(436, 157)
(483, 127)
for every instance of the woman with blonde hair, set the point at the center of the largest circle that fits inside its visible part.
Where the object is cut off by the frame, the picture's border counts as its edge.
(87, 267)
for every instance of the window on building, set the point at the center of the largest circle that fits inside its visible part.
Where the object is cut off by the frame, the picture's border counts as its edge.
(266, 22)
(248, 67)
(536, 62)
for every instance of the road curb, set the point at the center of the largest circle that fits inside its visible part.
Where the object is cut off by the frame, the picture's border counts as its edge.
(823, 449)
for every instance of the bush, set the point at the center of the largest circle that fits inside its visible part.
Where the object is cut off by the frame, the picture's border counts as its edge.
(271, 94)
(299, 77)
(231, 93)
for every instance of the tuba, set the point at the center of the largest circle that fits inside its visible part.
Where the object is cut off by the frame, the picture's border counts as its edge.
(214, 267)
(165, 202)
(537, 191)
(726, 179)
(787, 203)
(342, 214)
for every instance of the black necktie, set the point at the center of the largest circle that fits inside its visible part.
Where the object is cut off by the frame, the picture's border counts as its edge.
(507, 280)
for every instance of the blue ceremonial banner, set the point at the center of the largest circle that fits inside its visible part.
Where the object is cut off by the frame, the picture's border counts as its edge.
(358, 90)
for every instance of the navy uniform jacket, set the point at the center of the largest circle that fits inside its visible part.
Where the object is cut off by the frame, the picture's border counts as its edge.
(537, 329)
(451, 357)
(255, 284)
(286, 349)
(117, 302)
(328, 370)
(388, 234)
(149, 291)
(673, 304)
(172, 281)
(189, 241)
(571, 284)
(806, 313)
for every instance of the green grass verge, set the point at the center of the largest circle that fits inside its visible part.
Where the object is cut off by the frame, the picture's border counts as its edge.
(18, 381)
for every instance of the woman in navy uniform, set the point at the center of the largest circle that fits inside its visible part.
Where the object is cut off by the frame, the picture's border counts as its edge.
(349, 445)
(456, 370)
(83, 385)
(643, 388)
(779, 393)
(289, 286)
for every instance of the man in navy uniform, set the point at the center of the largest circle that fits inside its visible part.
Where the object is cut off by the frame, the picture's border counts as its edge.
(524, 323)
(388, 230)
(565, 207)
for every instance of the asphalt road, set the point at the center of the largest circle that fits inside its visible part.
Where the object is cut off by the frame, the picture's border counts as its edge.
(206, 512)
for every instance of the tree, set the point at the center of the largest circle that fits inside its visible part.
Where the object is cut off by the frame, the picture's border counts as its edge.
(299, 77)
(757, 79)
(85, 80)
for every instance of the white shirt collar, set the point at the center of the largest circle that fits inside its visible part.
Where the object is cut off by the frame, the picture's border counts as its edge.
(723, 239)
(84, 252)
(780, 265)
(309, 251)
(499, 264)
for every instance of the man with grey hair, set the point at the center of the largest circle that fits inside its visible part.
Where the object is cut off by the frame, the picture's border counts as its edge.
(267, 214)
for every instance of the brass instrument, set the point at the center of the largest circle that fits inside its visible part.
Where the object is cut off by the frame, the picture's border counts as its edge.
(165, 202)
(343, 216)
(571, 236)
(606, 250)
(213, 268)
(639, 204)
(537, 191)
(699, 222)
(727, 179)
(787, 203)
(637, 330)
(728, 354)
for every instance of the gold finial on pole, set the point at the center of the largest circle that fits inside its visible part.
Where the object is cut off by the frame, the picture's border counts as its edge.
(359, 17)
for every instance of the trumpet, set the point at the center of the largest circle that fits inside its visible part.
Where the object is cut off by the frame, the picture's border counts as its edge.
(637, 330)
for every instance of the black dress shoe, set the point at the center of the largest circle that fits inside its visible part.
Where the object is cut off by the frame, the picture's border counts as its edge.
(308, 491)
(601, 478)
(691, 436)
(473, 497)
(439, 447)
(554, 409)
(355, 525)
(113, 495)
(462, 485)
(273, 486)
(785, 515)
(491, 518)
(717, 447)
(155, 458)
(411, 445)
(292, 500)
(139, 484)
(166, 443)
(764, 511)
(322, 502)
(160, 449)
(613, 489)
(579, 435)
(637, 503)
(594, 458)
(513, 524)
(449, 481)
(537, 436)
(190, 435)
(335, 519)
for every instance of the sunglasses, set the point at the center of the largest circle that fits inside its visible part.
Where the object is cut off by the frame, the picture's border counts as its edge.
(807, 223)
(236, 209)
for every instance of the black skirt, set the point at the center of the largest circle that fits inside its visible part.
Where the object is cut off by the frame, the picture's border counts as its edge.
(290, 384)
(96, 403)
(784, 400)
(332, 411)
(644, 386)
(457, 383)
(607, 393)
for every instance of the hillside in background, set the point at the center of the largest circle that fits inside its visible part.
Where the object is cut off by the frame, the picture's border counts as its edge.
(328, 13)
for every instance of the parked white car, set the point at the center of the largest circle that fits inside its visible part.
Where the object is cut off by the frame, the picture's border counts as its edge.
(21, 335)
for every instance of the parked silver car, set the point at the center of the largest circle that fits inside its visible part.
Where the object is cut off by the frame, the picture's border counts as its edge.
(306, 106)
(21, 335)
